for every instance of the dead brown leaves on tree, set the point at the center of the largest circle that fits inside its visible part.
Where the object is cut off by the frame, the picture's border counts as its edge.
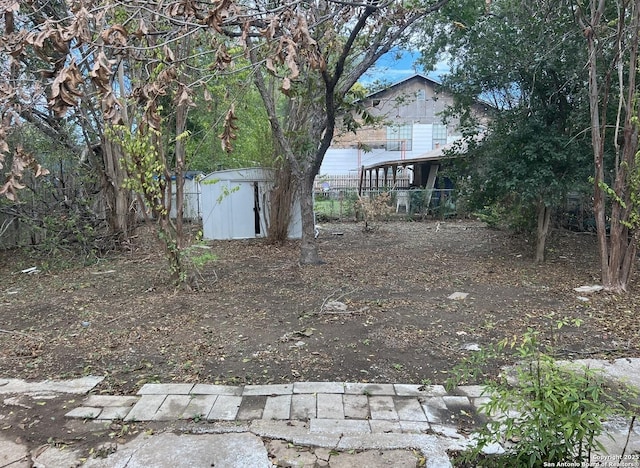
(65, 89)
(81, 46)
(229, 128)
(292, 47)
(21, 161)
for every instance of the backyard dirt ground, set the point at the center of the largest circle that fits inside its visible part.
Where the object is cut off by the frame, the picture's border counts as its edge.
(378, 310)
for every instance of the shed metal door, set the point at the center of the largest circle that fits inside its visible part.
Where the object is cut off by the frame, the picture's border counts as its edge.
(242, 211)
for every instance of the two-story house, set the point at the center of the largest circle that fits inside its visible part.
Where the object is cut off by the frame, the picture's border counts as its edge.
(409, 136)
(409, 126)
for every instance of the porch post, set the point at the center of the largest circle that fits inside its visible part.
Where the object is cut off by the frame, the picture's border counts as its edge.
(431, 182)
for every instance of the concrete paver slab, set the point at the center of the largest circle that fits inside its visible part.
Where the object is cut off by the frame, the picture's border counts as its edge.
(450, 432)
(330, 406)
(339, 426)
(434, 408)
(199, 406)
(356, 406)
(275, 429)
(472, 391)
(209, 389)
(83, 412)
(303, 406)
(342, 416)
(394, 458)
(622, 369)
(369, 389)
(409, 409)
(386, 441)
(277, 407)
(225, 408)
(251, 407)
(165, 389)
(54, 457)
(456, 402)
(419, 390)
(110, 400)
(318, 387)
(316, 440)
(480, 403)
(145, 408)
(109, 413)
(76, 386)
(415, 427)
(382, 407)
(170, 450)
(276, 389)
(382, 426)
(616, 445)
(172, 408)
(13, 454)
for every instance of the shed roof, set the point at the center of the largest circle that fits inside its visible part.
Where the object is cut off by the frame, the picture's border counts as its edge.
(259, 173)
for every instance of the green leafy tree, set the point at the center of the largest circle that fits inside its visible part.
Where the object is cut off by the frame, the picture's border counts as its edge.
(526, 60)
(253, 145)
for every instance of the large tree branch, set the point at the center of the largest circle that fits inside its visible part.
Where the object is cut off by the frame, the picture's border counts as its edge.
(49, 127)
(384, 41)
(270, 105)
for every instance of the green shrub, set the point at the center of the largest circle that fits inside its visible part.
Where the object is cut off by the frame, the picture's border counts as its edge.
(545, 413)
(510, 214)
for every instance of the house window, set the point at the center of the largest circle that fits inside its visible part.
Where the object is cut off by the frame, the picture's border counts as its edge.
(439, 135)
(399, 137)
(421, 95)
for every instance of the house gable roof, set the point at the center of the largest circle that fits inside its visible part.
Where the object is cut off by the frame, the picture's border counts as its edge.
(417, 76)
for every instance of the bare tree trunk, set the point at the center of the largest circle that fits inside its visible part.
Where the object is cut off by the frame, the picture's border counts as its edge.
(597, 141)
(617, 253)
(181, 125)
(281, 203)
(622, 254)
(308, 248)
(118, 200)
(544, 218)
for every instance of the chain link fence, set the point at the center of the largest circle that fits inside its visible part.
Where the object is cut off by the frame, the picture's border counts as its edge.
(341, 204)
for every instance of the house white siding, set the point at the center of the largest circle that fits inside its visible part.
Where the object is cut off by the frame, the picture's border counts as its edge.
(342, 161)
(422, 140)
(411, 125)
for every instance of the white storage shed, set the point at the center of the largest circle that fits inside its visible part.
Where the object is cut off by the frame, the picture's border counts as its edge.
(235, 204)
(191, 194)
